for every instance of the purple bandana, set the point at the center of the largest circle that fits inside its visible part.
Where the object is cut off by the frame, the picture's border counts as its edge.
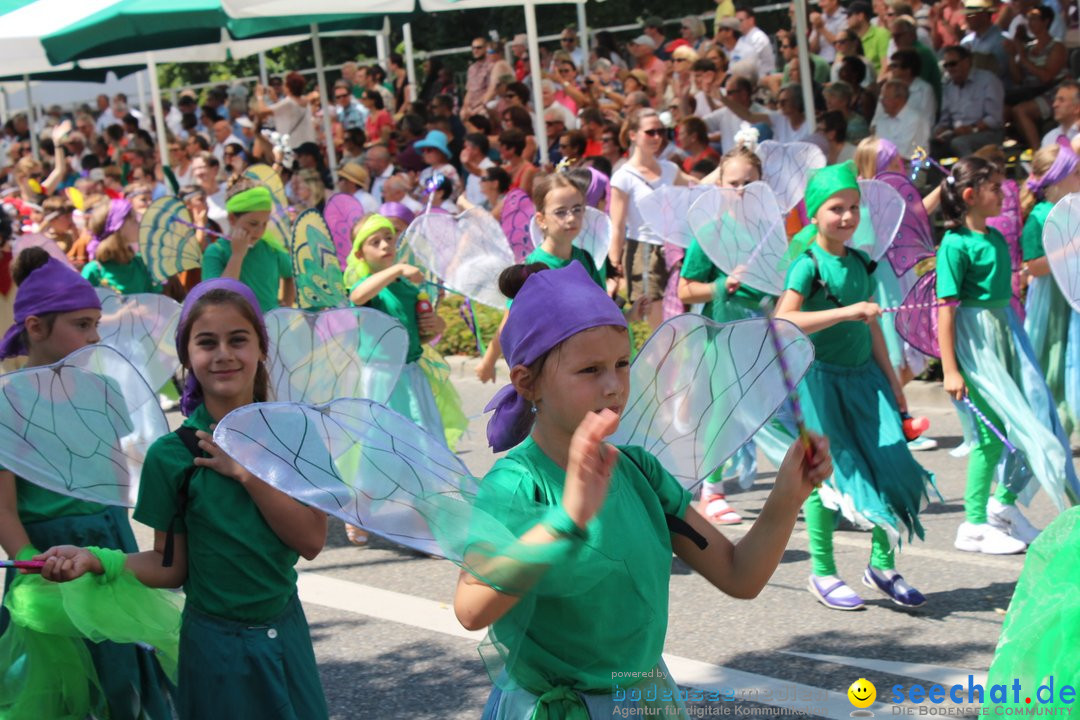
(599, 188)
(119, 210)
(551, 306)
(886, 151)
(1063, 166)
(193, 394)
(397, 210)
(53, 288)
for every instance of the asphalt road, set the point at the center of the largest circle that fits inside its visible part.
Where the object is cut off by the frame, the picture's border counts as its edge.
(388, 646)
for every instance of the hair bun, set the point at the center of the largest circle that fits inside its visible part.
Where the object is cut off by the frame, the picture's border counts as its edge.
(513, 278)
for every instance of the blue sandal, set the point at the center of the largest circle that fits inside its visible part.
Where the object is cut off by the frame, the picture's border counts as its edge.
(910, 598)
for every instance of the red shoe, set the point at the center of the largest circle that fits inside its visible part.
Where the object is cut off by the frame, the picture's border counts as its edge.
(716, 510)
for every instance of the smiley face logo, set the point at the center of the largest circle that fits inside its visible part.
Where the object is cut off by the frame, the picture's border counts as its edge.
(862, 693)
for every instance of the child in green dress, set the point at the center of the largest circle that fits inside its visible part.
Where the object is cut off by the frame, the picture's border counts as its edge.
(852, 395)
(227, 537)
(591, 524)
(115, 263)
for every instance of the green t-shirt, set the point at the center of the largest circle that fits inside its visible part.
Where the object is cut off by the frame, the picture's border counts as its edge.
(576, 253)
(1031, 241)
(821, 69)
(238, 568)
(929, 70)
(398, 300)
(974, 268)
(698, 267)
(34, 504)
(124, 278)
(845, 343)
(876, 46)
(579, 635)
(262, 270)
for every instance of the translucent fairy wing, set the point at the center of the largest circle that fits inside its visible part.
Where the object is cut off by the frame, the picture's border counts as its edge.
(918, 325)
(743, 229)
(278, 228)
(38, 240)
(168, 247)
(81, 426)
(594, 238)
(914, 240)
(342, 212)
(320, 283)
(1061, 241)
(699, 390)
(881, 213)
(467, 252)
(344, 352)
(786, 167)
(103, 293)
(1008, 223)
(666, 211)
(142, 328)
(518, 211)
(353, 459)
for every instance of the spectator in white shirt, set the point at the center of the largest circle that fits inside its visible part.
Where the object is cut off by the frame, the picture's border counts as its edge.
(724, 123)
(826, 25)
(756, 38)
(379, 165)
(905, 65)
(354, 180)
(223, 135)
(569, 42)
(898, 122)
(475, 160)
(1066, 109)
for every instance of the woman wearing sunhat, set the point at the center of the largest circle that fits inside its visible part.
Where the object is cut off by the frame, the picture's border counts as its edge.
(435, 149)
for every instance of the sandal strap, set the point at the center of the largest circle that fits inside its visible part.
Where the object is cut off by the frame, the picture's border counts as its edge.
(831, 588)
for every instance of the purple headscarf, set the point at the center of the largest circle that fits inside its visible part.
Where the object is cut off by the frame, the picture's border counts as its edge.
(1063, 166)
(193, 393)
(119, 209)
(599, 188)
(886, 153)
(551, 306)
(52, 288)
(397, 210)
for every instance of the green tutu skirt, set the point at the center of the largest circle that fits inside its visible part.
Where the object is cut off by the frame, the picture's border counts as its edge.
(1038, 639)
(876, 482)
(1053, 328)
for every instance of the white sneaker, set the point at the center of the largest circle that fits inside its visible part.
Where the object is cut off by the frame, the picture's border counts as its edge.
(986, 539)
(1011, 521)
(922, 443)
(167, 403)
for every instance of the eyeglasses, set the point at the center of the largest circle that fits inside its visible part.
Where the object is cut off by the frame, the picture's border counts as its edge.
(567, 40)
(949, 64)
(654, 132)
(342, 96)
(478, 47)
(607, 139)
(563, 214)
(566, 71)
(682, 59)
(553, 122)
(564, 146)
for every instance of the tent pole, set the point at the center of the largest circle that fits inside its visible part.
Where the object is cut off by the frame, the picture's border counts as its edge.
(805, 73)
(410, 61)
(382, 44)
(327, 107)
(140, 88)
(31, 117)
(263, 78)
(534, 71)
(159, 116)
(3, 106)
(583, 35)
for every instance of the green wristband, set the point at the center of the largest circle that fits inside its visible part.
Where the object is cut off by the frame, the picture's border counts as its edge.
(561, 525)
(111, 560)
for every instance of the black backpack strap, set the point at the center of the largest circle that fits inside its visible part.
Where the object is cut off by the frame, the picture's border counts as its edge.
(191, 442)
(675, 523)
(819, 283)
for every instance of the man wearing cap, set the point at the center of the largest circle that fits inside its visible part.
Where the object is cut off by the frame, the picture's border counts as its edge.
(729, 38)
(984, 39)
(519, 46)
(826, 25)
(435, 149)
(477, 78)
(654, 28)
(643, 50)
(353, 180)
(875, 39)
(972, 105)
(756, 38)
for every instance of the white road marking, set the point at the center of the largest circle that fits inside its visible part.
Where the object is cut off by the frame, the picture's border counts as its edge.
(940, 674)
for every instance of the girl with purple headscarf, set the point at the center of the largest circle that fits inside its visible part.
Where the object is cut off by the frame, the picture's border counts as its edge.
(231, 540)
(575, 596)
(115, 263)
(56, 313)
(1052, 325)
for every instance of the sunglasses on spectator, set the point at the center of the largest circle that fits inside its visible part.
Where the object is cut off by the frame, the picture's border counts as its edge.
(340, 96)
(950, 63)
(654, 132)
(566, 39)
(478, 47)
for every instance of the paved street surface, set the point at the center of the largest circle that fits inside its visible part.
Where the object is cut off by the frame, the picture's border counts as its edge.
(388, 644)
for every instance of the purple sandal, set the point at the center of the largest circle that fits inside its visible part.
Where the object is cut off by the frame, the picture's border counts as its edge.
(822, 593)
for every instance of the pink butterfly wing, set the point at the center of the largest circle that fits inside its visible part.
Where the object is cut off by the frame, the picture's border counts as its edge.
(342, 213)
(919, 325)
(1009, 225)
(915, 240)
(518, 210)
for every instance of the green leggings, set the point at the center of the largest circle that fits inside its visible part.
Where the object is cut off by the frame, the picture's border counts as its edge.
(820, 522)
(983, 462)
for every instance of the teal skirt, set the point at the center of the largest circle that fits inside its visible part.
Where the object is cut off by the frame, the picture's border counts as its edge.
(245, 671)
(1054, 330)
(133, 683)
(413, 398)
(875, 481)
(891, 291)
(996, 357)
